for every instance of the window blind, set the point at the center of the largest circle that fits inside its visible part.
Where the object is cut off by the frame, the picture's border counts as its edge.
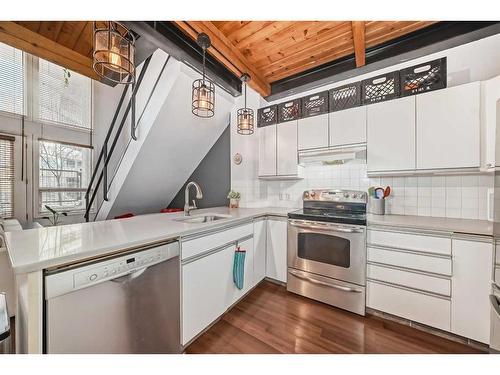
(64, 96)
(6, 176)
(11, 80)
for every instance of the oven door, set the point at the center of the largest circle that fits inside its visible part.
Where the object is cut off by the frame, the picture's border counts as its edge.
(333, 250)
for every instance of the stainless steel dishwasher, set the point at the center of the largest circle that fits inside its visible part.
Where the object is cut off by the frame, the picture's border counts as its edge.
(122, 304)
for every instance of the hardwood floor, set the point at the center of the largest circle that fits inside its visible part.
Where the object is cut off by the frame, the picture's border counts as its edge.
(272, 320)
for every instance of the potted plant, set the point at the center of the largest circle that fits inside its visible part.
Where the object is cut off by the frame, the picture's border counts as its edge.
(55, 216)
(234, 199)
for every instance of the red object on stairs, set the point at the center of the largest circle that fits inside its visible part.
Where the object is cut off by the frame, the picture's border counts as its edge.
(170, 210)
(125, 216)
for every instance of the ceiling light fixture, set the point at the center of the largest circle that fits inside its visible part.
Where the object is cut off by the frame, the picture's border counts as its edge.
(113, 55)
(244, 116)
(203, 99)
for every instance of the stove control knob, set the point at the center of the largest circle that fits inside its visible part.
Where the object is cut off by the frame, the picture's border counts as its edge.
(355, 195)
(313, 194)
(306, 194)
(346, 195)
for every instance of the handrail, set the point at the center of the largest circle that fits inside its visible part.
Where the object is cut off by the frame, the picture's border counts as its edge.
(106, 153)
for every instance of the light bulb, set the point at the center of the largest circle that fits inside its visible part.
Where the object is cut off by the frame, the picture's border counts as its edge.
(115, 59)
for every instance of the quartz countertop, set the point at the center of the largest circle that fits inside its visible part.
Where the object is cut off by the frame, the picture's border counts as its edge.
(36, 249)
(466, 226)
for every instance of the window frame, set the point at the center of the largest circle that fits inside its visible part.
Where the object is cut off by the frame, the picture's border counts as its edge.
(10, 138)
(37, 212)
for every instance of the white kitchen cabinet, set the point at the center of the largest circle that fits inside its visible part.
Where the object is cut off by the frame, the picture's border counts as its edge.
(490, 122)
(204, 291)
(259, 250)
(391, 135)
(233, 294)
(287, 146)
(313, 132)
(267, 150)
(448, 128)
(348, 126)
(276, 257)
(470, 308)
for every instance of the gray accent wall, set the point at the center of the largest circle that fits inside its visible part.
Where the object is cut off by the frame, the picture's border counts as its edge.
(213, 174)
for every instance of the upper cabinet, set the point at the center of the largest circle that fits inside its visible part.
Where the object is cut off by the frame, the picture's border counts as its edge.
(267, 150)
(448, 128)
(287, 149)
(348, 127)
(391, 135)
(313, 132)
(490, 122)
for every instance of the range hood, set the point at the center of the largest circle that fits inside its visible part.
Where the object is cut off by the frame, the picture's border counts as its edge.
(333, 155)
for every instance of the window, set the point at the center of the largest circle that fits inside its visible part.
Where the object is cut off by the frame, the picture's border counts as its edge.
(6, 176)
(64, 97)
(64, 175)
(11, 80)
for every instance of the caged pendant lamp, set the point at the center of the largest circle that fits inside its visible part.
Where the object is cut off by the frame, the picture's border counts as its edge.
(113, 55)
(203, 98)
(244, 116)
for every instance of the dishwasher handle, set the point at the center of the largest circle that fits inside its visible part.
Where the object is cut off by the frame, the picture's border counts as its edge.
(129, 276)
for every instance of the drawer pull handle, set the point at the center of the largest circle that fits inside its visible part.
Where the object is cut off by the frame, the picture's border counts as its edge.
(318, 282)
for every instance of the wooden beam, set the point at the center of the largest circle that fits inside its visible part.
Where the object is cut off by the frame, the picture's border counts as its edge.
(358, 36)
(224, 51)
(29, 41)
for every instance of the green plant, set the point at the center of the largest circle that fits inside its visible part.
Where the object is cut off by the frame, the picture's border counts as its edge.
(233, 195)
(67, 76)
(54, 219)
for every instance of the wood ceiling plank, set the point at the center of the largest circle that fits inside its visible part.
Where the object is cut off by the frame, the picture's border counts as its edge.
(246, 30)
(311, 52)
(84, 44)
(24, 39)
(263, 33)
(358, 36)
(223, 50)
(50, 29)
(227, 27)
(70, 33)
(277, 53)
(396, 32)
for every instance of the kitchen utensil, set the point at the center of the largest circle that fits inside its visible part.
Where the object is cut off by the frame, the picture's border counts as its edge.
(387, 192)
(379, 193)
(371, 191)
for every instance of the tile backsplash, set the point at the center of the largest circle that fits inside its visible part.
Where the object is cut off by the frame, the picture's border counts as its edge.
(458, 196)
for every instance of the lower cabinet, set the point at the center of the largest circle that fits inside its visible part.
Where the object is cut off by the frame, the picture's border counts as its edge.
(444, 284)
(259, 250)
(208, 289)
(471, 285)
(276, 255)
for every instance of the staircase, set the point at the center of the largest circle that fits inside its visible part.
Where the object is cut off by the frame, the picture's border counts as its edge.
(153, 143)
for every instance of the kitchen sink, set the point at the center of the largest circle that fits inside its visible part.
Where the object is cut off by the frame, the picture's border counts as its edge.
(205, 218)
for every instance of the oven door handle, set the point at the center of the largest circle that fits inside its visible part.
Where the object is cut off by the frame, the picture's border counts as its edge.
(494, 305)
(328, 227)
(323, 283)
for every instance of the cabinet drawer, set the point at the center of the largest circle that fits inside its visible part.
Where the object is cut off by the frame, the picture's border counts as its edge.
(198, 245)
(418, 262)
(410, 279)
(421, 308)
(437, 245)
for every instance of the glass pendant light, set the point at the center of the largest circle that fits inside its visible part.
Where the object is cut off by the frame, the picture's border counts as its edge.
(113, 55)
(203, 99)
(244, 116)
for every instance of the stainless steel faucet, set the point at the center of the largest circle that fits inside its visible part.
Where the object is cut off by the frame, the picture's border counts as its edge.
(199, 195)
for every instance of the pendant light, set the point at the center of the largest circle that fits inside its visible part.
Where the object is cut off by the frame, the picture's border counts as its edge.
(244, 116)
(113, 55)
(203, 99)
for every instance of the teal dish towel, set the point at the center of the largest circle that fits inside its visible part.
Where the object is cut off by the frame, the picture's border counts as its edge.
(239, 268)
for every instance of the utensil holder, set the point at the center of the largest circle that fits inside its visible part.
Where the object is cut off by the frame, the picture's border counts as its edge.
(376, 206)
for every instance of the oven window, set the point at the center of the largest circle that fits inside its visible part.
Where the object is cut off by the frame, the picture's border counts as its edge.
(325, 249)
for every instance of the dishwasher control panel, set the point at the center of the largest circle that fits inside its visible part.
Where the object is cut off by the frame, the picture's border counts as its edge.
(84, 276)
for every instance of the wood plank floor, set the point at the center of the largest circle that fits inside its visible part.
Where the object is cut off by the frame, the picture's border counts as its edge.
(272, 320)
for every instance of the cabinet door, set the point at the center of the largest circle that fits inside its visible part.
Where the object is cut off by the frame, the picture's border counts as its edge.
(287, 148)
(470, 308)
(267, 150)
(391, 135)
(348, 126)
(232, 293)
(276, 257)
(313, 132)
(448, 128)
(204, 292)
(259, 250)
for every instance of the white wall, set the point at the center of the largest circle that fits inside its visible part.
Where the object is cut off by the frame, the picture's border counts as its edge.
(451, 196)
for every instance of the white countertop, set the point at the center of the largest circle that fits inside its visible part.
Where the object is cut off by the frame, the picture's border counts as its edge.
(36, 249)
(442, 224)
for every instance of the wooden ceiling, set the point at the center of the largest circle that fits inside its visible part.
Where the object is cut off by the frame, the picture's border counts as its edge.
(273, 50)
(267, 50)
(67, 43)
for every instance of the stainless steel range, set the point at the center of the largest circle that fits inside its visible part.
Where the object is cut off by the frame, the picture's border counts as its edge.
(327, 248)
